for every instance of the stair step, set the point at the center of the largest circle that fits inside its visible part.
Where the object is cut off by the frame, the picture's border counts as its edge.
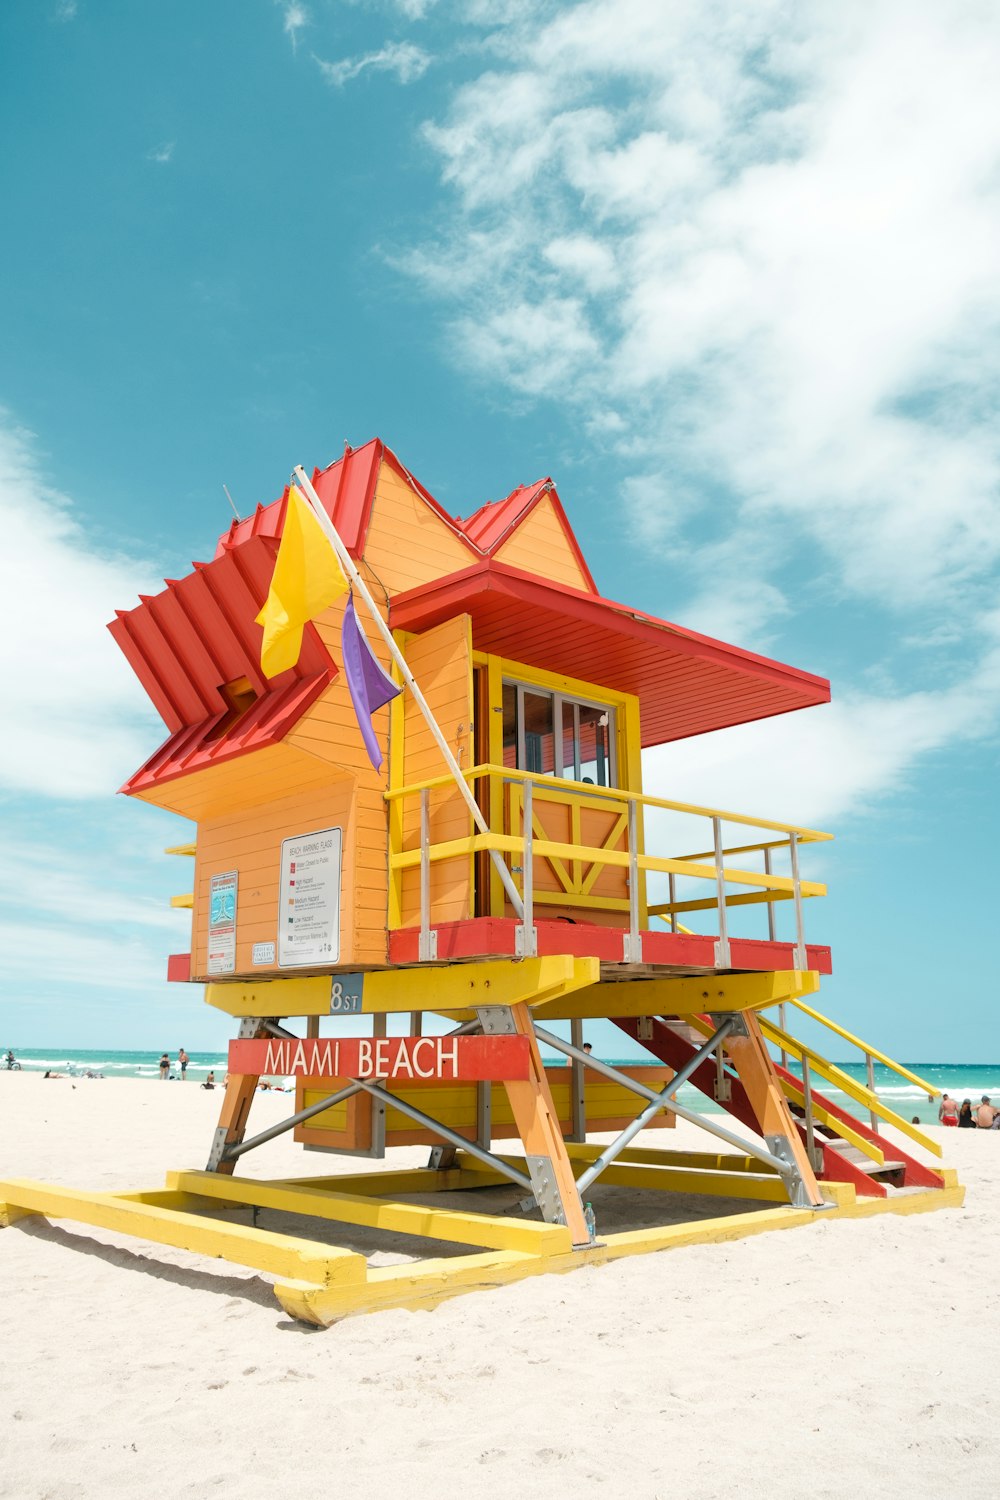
(864, 1163)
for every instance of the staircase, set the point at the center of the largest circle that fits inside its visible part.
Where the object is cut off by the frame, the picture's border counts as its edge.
(843, 1147)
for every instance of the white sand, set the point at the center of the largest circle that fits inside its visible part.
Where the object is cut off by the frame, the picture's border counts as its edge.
(844, 1359)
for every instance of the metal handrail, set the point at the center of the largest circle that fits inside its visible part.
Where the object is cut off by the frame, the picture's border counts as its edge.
(865, 1047)
(529, 844)
(619, 794)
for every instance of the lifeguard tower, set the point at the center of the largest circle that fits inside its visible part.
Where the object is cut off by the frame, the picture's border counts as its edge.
(502, 872)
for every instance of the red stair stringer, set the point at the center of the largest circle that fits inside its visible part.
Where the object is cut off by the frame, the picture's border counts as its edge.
(915, 1174)
(675, 1052)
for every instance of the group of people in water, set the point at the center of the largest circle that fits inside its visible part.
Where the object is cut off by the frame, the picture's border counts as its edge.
(963, 1117)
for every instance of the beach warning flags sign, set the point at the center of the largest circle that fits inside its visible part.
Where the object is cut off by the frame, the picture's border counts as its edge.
(307, 578)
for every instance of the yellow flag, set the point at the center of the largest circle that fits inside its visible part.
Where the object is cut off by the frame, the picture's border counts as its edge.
(307, 577)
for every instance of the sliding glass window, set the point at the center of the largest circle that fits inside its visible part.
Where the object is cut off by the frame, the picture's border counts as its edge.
(554, 735)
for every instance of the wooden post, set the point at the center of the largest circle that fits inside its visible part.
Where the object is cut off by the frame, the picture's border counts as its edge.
(234, 1114)
(752, 1061)
(538, 1126)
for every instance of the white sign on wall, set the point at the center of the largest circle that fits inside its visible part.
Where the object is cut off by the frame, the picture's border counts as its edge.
(222, 924)
(309, 900)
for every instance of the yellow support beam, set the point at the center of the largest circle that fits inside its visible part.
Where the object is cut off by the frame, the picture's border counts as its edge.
(680, 995)
(279, 1254)
(187, 849)
(380, 1213)
(303, 996)
(462, 987)
(430, 1282)
(183, 903)
(657, 1156)
(847, 1084)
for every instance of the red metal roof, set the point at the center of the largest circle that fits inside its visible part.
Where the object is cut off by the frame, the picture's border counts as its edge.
(187, 642)
(686, 683)
(347, 490)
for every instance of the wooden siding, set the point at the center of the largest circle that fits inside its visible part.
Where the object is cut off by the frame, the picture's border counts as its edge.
(249, 842)
(441, 661)
(347, 1126)
(329, 731)
(408, 543)
(540, 546)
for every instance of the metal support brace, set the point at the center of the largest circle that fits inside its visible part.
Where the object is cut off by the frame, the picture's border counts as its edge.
(660, 1101)
(798, 1194)
(706, 1122)
(814, 1154)
(723, 1088)
(722, 955)
(484, 1114)
(427, 941)
(452, 1137)
(526, 935)
(230, 1153)
(870, 1071)
(579, 1085)
(801, 959)
(249, 1028)
(632, 940)
(771, 931)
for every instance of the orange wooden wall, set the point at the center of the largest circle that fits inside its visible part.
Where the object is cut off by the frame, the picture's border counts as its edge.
(541, 546)
(441, 661)
(320, 776)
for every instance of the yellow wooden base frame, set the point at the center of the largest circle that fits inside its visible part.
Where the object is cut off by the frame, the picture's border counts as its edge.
(320, 1284)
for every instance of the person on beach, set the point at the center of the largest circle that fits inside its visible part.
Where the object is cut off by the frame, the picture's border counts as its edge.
(966, 1119)
(210, 1080)
(165, 1066)
(985, 1114)
(182, 1062)
(948, 1110)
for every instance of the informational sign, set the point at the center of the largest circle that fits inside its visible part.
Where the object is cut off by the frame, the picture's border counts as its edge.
(222, 924)
(346, 994)
(473, 1058)
(262, 953)
(309, 900)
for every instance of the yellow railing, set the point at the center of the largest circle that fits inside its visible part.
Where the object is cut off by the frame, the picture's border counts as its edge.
(777, 1034)
(810, 1061)
(528, 845)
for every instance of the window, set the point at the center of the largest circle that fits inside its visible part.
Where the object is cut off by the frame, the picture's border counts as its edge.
(554, 735)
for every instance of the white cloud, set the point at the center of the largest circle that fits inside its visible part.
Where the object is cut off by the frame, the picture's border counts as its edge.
(79, 722)
(816, 767)
(162, 154)
(51, 880)
(295, 19)
(784, 225)
(415, 10)
(755, 251)
(406, 60)
(66, 10)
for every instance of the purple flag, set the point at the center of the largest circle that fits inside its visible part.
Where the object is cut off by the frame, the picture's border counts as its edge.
(370, 687)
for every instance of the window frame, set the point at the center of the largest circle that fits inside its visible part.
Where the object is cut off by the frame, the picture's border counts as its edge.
(560, 700)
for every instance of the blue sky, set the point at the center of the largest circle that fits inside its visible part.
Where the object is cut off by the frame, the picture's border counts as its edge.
(728, 274)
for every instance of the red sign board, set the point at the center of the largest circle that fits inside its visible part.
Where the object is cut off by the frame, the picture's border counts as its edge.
(474, 1058)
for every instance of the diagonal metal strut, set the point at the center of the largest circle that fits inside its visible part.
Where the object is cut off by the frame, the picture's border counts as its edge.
(705, 1122)
(662, 1101)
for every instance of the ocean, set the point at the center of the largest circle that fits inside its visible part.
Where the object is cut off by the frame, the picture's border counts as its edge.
(961, 1080)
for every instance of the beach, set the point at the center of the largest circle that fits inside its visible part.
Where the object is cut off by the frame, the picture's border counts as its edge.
(848, 1358)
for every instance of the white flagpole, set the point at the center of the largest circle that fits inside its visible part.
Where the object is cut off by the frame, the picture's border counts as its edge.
(347, 563)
